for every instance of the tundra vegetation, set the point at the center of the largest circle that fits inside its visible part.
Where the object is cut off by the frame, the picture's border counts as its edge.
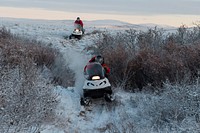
(162, 68)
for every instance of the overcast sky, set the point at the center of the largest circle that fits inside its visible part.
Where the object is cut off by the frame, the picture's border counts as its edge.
(112, 7)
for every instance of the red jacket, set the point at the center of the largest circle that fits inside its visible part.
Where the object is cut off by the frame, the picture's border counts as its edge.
(106, 68)
(79, 22)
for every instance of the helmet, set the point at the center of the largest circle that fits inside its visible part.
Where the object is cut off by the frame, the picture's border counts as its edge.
(78, 17)
(99, 59)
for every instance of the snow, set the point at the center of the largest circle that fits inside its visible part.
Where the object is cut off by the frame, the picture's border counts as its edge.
(99, 118)
(119, 116)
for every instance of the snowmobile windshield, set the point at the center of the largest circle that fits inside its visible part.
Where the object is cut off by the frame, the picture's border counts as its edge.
(94, 71)
(77, 26)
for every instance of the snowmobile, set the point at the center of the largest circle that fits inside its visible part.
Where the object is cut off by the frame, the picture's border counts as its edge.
(77, 33)
(96, 85)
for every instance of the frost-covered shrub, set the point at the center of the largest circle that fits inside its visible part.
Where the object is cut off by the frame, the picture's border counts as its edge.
(14, 47)
(149, 58)
(153, 39)
(4, 33)
(174, 110)
(27, 99)
(187, 36)
(62, 73)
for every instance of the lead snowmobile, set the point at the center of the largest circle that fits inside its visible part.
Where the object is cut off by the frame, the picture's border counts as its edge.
(96, 85)
(77, 32)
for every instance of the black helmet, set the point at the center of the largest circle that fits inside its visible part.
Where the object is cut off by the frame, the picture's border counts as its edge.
(99, 59)
(78, 17)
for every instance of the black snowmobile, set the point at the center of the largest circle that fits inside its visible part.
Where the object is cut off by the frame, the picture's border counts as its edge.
(96, 84)
(77, 32)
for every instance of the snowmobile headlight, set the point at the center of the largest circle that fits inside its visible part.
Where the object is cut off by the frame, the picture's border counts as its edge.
(95, 77)
(77, 30)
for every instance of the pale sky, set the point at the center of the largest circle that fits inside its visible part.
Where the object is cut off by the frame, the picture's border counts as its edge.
(168, 12)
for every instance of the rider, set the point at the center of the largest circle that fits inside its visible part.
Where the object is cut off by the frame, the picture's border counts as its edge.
(100, 59)
(80, 22)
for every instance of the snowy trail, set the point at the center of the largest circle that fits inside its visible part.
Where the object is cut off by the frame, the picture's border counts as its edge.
(100, 117)
(103, 117)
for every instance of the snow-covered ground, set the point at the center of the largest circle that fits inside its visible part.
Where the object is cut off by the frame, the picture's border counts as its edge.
(119, 116)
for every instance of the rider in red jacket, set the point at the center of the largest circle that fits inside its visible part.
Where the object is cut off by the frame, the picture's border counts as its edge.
(100, 59)
(79, 21)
